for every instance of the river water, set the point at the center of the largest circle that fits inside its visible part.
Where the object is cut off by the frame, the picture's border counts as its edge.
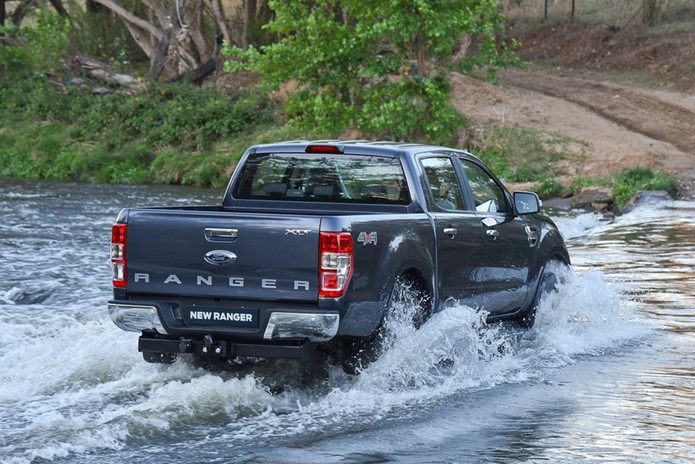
(606, 375)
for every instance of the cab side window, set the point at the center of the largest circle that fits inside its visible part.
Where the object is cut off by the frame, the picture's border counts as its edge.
(444, 188)
(487, 194)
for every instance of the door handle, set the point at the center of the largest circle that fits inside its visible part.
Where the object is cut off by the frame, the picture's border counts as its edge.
(493, 234)
(451, 231)
(213, 234)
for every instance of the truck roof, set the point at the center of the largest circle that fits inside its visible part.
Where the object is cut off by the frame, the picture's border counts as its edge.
(363, 147)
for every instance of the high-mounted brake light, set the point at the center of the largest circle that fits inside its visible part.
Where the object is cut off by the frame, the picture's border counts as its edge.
(336, 258)
(323, 149)
(119, 233)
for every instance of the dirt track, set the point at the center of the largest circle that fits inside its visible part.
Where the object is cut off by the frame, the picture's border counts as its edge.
(614, 126)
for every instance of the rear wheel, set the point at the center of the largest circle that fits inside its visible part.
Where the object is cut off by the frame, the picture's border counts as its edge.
(549, 282)
(409, 306)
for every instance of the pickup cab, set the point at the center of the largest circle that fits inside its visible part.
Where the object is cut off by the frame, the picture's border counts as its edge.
(314, 243)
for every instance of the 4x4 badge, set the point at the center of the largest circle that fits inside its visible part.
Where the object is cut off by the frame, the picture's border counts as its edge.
(365, 238)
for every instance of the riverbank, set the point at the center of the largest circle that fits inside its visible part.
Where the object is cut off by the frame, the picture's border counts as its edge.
(595, 128)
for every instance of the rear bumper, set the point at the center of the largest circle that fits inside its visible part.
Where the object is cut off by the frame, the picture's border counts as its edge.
(216, 348)
(315, 326)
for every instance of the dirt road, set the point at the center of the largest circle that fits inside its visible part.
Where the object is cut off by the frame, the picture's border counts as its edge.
(613, 126)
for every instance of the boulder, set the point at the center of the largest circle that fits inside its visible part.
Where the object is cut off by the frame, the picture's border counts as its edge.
(595, 197)
(646, 197)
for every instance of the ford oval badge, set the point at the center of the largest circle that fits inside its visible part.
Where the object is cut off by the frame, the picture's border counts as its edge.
(220, 257)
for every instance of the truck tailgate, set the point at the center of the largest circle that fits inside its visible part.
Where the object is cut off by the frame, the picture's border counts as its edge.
(222, 255)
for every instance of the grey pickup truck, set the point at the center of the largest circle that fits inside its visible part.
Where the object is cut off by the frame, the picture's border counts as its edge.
(314, 243)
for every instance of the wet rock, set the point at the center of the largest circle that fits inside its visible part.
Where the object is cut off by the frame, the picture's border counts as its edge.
(599, 198)
(646, 197)
(562, 204)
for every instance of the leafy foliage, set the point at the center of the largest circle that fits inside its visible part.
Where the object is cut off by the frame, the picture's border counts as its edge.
(118, 138)
(629, 182)
(376, 66)
(45, 45)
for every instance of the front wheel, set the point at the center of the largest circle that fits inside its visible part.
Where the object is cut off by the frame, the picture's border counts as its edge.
(549, 282)
(408, 308)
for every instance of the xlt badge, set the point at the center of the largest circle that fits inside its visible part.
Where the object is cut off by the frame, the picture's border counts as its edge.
(299, 232)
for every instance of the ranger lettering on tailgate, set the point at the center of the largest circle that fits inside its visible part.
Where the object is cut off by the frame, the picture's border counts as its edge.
(143, 277)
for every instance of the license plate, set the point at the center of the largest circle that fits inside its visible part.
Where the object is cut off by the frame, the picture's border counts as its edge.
(195, 315)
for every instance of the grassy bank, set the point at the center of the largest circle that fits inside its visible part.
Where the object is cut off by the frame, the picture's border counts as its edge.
(190, 136)
(167, 134)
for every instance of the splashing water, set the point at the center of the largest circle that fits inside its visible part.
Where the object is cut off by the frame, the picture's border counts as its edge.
(80, 402)
(72, 385)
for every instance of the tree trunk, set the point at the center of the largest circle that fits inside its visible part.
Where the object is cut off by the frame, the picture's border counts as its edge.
(170, 32)
(131, 18)
(92, 7)
(160, 55)
(218, 15)
(143, 40)
(58, 5)
(197, 75)
(421, 53)
(250, 7)
(196, 31)
(21, 11)
(3, 13)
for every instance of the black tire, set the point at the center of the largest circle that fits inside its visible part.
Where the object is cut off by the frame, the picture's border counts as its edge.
(550, 279)
(408, 292)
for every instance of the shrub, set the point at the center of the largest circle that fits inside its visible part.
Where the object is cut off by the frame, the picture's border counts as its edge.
(629, 182)
(47, 134)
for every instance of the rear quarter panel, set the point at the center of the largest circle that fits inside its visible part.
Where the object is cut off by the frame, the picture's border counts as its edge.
(385, 246)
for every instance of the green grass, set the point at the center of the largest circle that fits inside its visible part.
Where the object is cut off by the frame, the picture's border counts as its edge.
(519, 154)
(629, 182)
(189, 136)
(168, 134)
(526, 155)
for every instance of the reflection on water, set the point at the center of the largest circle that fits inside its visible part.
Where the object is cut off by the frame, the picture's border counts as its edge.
(605, 375)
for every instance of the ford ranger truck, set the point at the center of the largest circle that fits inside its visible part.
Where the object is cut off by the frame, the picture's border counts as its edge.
(314, 243)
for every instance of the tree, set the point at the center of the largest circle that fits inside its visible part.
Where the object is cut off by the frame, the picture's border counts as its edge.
(256, 15)
(377, 66)
(35, 48)
(175, 35)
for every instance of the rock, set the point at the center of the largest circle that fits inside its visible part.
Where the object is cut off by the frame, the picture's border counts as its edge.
(100, 90)
(599, 198)
(562, 204)
(646, 197)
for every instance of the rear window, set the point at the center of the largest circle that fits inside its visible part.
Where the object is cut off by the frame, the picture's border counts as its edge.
(318, 177)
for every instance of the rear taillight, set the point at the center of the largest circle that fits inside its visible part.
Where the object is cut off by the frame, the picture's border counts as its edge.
(118, 241)
(335, 263)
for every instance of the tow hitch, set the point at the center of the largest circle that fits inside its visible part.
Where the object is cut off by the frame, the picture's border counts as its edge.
(213, 349)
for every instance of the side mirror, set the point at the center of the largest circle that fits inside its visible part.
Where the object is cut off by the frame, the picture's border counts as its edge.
(527, 202)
